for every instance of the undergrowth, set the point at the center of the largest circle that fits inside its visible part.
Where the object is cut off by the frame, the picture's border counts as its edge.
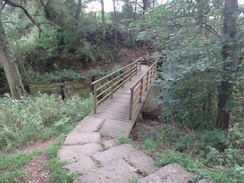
(58, 75)
(58, 173)
(215, 154)
(38, 118)
(25, 121)
(10, 165)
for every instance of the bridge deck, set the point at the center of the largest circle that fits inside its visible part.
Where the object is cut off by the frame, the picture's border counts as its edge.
(118, 107)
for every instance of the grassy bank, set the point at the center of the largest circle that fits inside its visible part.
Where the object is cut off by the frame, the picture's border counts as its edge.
(216, 154)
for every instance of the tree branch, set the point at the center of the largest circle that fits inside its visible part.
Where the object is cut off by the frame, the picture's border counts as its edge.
(3, 6)
(16, 5)
(52, 24)
(210, 29)
(37, 10)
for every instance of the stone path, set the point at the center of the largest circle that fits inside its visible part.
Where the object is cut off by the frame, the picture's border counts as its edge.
(91, 150)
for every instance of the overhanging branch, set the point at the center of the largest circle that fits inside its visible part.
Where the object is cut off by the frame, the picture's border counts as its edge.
(3, 6)
(16, 5)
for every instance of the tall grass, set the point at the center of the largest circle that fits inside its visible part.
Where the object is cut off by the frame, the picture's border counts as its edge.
(38, 118)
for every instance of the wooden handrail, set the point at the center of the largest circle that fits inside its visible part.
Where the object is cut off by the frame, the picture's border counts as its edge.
(113, 82)
(140, 86)
(113, 73)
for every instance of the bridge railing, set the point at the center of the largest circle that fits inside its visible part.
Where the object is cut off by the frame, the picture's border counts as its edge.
(106, 86)
(141, 86)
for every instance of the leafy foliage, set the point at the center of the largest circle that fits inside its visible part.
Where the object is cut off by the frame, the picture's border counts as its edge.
(211, 154)
(189, 35)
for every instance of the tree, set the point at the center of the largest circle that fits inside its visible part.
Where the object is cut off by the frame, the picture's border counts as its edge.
(11, 70)
(103, 22)
(78, 11)
(8, 61)
(145, 5)
(230, 62)
(115, 22)
(190, 34)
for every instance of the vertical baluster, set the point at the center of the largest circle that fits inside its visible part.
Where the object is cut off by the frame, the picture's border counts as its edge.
(147, 80)
(123, 78)
(95, 98)
(112, 86)
(131, 103)
(151, 75)
(140, 64)
(136, 68)
(141, 88)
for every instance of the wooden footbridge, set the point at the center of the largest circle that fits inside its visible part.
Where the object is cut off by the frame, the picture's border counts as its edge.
(90, 149)
(121, 95)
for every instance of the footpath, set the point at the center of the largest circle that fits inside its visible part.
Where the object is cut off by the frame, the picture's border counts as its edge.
(91, 150)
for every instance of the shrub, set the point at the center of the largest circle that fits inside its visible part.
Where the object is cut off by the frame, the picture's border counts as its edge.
(171, 156)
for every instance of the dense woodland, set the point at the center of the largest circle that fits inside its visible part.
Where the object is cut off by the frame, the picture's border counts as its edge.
(200, 76)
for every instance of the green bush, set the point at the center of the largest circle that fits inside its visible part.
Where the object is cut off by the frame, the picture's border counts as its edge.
(208, 154)
(57, 76)
(171, 156)
(149, 144)
(202, 139)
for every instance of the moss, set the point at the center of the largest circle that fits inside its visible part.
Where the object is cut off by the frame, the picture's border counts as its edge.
(83, 89)
(83, 92)
(75, 85)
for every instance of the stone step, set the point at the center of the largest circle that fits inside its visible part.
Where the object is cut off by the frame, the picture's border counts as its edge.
(74, 153)
(172, 173)
(115, 128)
(118, 171)
(139, 160)
(83, 166)
(77, 137)
(89, 124)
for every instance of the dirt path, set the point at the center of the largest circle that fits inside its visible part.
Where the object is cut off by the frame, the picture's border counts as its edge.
(34, 170)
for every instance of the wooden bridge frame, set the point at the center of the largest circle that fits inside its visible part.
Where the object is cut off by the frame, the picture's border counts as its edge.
(106, 86)
(141, 86)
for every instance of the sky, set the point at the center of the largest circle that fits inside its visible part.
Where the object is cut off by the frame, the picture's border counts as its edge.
(108, 5)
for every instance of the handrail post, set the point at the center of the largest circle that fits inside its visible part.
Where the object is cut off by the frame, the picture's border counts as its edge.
(131, 103)
(150, 79)
(95, 98)
(123, 78)
(131, 68)
(147, 80)
(136, 68)
(112, 87)
(149, 76)
(140, 64)
(141, 88)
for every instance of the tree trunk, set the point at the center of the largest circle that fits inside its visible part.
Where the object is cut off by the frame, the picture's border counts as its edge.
(115, 26)
(77, 13)
(103, 23)
(145, 5)
(230, 62)
(12, 73)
